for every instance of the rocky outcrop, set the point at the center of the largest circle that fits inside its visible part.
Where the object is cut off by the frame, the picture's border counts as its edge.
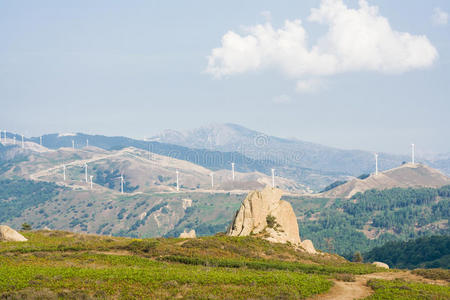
(188, 235)
(308, 246)
(263, 213)
(380, 264)
(10, 235)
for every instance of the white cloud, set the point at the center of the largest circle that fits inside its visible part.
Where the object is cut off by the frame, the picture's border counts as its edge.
(439, 17)
(282, 99)
(357, 40)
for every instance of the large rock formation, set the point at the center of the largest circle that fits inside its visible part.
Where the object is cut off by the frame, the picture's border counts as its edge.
(262, 212)
(10, 235)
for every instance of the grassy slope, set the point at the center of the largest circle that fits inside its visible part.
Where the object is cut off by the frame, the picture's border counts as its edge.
(71, 265)
(66, 265)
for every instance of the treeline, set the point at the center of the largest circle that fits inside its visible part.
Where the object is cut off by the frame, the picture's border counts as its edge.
(424, 252)
(18, 195)
(387, 215)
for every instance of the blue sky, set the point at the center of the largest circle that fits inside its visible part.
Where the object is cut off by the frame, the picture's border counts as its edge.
(135, 68)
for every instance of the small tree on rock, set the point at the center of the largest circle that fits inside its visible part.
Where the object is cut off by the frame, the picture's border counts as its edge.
(26, 227)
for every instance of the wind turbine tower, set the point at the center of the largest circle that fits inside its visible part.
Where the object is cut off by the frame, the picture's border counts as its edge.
(212, 180)
(14, 140)
(178, 186)
(40, 140)
(73, 144)
(5, 136)
(412, 153)
(91, 180)
(376, 163)
(85, 172)
(232, 170)
(87, 143)
(273, 178)
(64, 172)
(121, 183)
(23, 145)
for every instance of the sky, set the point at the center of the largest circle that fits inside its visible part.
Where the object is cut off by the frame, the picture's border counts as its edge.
(371, 75)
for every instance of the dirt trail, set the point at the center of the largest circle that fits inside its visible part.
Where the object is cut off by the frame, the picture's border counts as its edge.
(359, 290)
(347, 290)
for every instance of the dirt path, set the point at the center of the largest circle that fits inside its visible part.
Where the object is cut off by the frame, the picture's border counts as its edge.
(359, 290)
(347, 290)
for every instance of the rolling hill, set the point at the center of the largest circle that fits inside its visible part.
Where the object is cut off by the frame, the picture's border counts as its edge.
(407, 175)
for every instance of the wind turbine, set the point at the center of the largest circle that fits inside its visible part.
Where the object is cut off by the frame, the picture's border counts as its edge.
(178, 186)
(87, 143)
(376, 163)
(86, 171)
(40, 140)
(23, 145)
(212, 180)
(64, 172)
(14, 140)
(73, 144)
(273, 178)
(121, 183)
(5, 136)
(232, 170)
(91, 180)
(412, 153)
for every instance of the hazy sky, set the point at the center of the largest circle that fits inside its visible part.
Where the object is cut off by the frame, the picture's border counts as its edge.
(372, 75)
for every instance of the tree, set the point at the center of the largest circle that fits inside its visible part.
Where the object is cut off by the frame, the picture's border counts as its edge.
(26, 227)
(357, 257)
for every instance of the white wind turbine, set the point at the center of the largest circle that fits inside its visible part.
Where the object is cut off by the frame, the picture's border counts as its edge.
(40, 140)
(412, 153)
(14, 140)
(5, 136)
(91, 180)
(376, 163)
(273, 178)
(121, 183)
(23, 144)
(212, 180)
(87, 143)
(232, 170)
(73, 145)
(64, 172)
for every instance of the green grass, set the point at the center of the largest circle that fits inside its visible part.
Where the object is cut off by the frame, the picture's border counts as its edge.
(399, 289)
(57, 264)
(436, 274)
(131, 276)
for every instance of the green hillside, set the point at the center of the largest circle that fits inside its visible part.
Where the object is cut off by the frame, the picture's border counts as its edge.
(373, 218)
(340, 226)
(425, 252)
(57, 264)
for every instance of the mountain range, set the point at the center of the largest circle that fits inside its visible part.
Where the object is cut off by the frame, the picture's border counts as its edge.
(216, 146)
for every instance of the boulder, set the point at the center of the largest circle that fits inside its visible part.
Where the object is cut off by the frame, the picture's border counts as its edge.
(10, 235)
(308, 246)
(262, 212)
(188, 235)
(380, 264)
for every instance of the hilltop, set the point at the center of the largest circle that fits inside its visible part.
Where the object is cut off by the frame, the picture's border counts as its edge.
(407, 175)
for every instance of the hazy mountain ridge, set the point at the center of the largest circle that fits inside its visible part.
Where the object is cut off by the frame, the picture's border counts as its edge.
(305, 162)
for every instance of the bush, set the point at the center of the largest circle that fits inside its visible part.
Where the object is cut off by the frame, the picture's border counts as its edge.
(26, 227)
